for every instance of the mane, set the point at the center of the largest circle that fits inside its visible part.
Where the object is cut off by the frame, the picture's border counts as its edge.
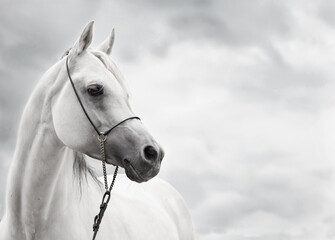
(81, 170)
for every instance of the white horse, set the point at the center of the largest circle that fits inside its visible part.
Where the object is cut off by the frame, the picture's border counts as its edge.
(52, 194)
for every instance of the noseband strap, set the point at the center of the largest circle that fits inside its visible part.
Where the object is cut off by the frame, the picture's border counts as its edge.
(102, 136)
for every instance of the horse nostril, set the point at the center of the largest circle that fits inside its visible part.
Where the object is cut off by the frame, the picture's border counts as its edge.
(150, 153)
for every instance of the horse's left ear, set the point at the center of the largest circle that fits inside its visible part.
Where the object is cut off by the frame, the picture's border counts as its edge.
(107, 45)
(84, 40)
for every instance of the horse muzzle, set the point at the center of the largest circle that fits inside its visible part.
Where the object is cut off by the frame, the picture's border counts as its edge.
(145, 166)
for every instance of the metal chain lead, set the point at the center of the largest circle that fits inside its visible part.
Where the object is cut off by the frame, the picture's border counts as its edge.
(105, 199)
(114, 177)
(102, 139)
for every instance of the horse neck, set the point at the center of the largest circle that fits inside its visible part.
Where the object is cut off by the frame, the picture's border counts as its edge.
(42, 167)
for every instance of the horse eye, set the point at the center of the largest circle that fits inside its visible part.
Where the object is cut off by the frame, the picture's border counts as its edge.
(95, 89)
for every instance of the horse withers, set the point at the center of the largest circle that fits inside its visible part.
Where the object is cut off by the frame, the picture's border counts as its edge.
(52, 194)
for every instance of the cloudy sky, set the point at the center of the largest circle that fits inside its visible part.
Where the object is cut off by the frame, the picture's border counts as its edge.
(239, 93)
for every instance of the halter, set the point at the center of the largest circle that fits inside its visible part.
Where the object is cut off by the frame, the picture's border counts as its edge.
(102, 136)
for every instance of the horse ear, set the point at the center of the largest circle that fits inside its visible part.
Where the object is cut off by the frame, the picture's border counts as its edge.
(107, 45)
(84, 40)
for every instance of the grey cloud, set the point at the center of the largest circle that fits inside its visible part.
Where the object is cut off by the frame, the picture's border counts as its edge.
(297, 90)
(284, 198)
(256, 22)
(238, 23)
(234, 23)
(281, 236)
(326, 12)
(222, 22)
(190, 185)
(199, 26)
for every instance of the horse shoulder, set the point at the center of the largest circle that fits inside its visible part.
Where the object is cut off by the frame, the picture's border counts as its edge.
(162, 196)
(174, 204)
(4, 229)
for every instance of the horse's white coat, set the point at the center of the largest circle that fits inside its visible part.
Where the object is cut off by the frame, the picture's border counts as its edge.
(44, 199)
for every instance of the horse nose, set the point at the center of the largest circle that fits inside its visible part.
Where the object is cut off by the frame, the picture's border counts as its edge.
(151, 153)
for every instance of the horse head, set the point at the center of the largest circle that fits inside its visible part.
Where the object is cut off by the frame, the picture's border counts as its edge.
(103, 93)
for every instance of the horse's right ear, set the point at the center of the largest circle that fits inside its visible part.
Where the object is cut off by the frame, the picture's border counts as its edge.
(84, 41)
(107, 45)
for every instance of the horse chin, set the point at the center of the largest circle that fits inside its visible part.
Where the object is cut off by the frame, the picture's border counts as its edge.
(131, 171)
(134, 175)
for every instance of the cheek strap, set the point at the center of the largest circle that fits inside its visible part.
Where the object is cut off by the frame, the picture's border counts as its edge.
(84, 110)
